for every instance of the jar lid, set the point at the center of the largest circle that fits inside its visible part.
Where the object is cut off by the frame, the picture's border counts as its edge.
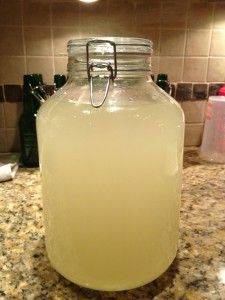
(124, 45)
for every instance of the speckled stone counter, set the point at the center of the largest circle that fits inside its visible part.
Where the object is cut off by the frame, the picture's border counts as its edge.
(198, 272)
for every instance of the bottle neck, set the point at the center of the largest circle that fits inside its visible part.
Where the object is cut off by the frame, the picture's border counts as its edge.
(30, 103)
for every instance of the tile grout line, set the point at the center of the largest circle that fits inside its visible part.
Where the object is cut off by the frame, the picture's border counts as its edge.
(210, 39)
(23, 36)
(160, 36)
(52, 36)
(185, 40)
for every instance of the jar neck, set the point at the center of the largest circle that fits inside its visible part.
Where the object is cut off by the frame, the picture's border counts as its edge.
(134, 66)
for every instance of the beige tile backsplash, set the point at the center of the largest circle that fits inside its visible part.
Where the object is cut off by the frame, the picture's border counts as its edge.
(38, 42)
(219, 20)
(193, 134)
(43, 65)
(11, 41)
(12, 69)
(172, 42)
(147, 14)
(12, 140)
(2, 116)
(35, 12)
(200, 14)
(62, 34)
(65, 14)
(3, 146)
(174, 14)
(172, 66)
(10, 16)
(218, 42)
(60, 65)
(188, 37)
(198, 42)
(216, 69)
(195, 69)
(178, 29)
(12, 113)
(194, 111)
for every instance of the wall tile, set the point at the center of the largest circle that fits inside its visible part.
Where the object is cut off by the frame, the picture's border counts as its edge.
(2, 116)
(200, 91)
(172, 42)
(150, 34)
(60, 65)
(117, 29)
(174, 15)
(11, 41)
(184, 91)
(118, 24)
(13, 112)
(193, 134)
(214, 88)
(94, 13)
(218, 43)
(36, 12)
(171, 66)
(10, 12)
(148, 14)
(12, 140)
(194, 111)
(13, 70)
(43, 65)
(195, 69)
(216, 70)
(66, 14)
(13, 93)
(38, 41)
(2, 141)
(219, 20)
(103, 31)
(61, 36)
(200, 15)
(198, 42)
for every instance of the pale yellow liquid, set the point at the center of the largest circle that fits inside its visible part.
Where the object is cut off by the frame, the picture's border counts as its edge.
(111, 191)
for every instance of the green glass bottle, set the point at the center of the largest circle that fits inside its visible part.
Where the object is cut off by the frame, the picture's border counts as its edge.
(59, 81)
(27, 123)
(163, 83)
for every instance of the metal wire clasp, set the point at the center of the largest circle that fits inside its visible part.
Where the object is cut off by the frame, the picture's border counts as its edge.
(107, 66)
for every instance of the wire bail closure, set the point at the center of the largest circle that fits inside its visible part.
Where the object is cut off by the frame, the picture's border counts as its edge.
(90, 68)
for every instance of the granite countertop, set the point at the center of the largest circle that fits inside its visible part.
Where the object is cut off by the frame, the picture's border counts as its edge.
(198, 272)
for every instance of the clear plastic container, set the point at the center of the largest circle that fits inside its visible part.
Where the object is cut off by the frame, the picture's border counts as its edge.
(111, 149)
(213, 141)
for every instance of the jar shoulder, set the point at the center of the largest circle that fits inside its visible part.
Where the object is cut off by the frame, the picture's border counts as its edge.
(125, 94)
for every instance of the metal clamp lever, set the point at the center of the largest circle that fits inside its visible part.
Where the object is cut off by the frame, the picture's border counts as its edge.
(107, 66)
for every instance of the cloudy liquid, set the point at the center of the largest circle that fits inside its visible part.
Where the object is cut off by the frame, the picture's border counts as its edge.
(111, 191)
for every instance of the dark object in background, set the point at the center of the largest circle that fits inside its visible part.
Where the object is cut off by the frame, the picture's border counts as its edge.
(59, 81)
(27, 123)
(163, 83)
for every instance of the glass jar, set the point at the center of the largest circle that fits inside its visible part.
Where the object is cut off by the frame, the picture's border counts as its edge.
(110, 148)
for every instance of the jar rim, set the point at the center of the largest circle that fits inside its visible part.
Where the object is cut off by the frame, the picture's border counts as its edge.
(100, 45)
(120, 41)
